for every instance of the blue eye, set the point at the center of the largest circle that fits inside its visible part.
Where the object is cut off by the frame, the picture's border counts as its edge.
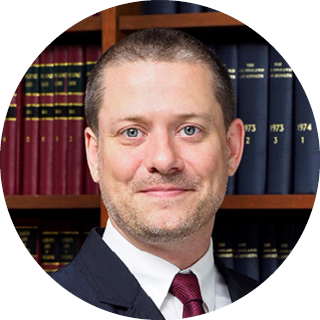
(189, 131)
(132, 133)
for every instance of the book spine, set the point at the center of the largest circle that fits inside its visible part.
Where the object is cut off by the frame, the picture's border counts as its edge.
(306, 155)
(50, 246)
(28, 231)
(93, 54)
(76, 153)
(286, 240)
(280, 125)
(223, 245)
(186, 7)
(246, 259)
(46, 122)
(31, 130)
(253, 110)
(229, 56)
(269, 252)
(161, 7)
(60, 120)
(69, 241)
(8, 149)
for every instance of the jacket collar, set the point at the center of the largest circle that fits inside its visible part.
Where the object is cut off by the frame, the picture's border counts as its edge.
(239, 285)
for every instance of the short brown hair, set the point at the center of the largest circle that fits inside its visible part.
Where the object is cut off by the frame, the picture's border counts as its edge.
(164, 45)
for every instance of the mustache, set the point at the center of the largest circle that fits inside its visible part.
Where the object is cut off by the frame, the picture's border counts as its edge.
(177, 179)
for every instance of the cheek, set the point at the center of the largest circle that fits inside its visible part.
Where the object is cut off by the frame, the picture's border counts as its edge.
(118, 166)
(208, 163)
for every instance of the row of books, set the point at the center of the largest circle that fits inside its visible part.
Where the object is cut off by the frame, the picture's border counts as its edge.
(172, 7)
(281, 154)
(53, 243)
(252, 249)
(43, 145)
(256, 250)
(42, 149)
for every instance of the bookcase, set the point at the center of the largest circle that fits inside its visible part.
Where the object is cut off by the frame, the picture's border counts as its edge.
(112, 25)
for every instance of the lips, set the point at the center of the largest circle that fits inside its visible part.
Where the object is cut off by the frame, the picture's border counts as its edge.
(164, 191)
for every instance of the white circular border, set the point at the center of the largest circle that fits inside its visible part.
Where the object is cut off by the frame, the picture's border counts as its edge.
(27, 27)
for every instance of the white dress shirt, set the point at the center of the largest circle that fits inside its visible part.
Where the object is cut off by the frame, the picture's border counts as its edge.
(155, 275)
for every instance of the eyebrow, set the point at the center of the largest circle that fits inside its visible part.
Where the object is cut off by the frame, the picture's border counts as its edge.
(187, 116)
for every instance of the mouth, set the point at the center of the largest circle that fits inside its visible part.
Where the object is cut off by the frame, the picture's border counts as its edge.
(164, 192)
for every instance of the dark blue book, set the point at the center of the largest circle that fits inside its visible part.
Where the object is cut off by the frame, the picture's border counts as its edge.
(268, 251)
(286, 240)
(306, 144)
(186, 7)
(223, 245)
(253, 110)
(160, 7)
(246, 258)
(229, 56)
(280, 125)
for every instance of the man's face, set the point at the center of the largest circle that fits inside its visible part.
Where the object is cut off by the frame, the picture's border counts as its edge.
(162, 153)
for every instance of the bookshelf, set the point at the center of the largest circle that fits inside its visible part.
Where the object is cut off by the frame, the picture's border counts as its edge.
(112, 25)
(115, 23)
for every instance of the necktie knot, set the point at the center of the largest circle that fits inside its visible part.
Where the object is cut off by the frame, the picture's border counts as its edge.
(186, 288)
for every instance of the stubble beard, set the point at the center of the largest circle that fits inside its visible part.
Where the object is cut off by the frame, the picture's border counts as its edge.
(133, 219)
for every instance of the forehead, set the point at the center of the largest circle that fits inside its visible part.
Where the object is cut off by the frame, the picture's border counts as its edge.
(155, 71)
(152, 87)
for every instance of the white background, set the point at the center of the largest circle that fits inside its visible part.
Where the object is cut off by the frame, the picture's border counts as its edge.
(27, 27)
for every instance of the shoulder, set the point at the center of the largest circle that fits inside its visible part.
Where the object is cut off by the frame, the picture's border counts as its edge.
(73, 279)
(77, 277)
(70, 277)
(99, 277)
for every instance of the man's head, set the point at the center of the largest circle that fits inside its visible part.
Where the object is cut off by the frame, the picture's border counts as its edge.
(161, 147)
(160, 45)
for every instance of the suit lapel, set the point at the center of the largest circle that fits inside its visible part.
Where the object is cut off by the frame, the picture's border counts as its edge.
(112, 281)
(238, 284)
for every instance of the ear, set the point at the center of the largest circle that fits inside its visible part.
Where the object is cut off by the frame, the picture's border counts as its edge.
(235, 141)
(91, 145)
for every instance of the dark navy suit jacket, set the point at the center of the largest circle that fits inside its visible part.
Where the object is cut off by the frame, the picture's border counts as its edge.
(100, 278)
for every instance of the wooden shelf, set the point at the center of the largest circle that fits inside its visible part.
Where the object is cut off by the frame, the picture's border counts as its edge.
(304, 201)
(93, 23)
(179, 21)
(53, 202)
(290, 201)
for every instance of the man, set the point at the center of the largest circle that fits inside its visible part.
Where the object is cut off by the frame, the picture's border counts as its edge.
(161, 143)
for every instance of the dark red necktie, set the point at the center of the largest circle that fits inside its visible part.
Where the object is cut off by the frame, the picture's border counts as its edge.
(186, 288)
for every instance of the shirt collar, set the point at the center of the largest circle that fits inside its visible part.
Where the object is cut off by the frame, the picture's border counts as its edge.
(155, 274)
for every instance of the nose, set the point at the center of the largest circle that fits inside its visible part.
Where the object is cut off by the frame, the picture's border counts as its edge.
(163, 155)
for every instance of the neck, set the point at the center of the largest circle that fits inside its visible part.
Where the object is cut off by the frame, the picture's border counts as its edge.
(182, 254)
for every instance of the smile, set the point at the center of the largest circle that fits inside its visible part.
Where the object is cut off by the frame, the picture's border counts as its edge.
(163, 192)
